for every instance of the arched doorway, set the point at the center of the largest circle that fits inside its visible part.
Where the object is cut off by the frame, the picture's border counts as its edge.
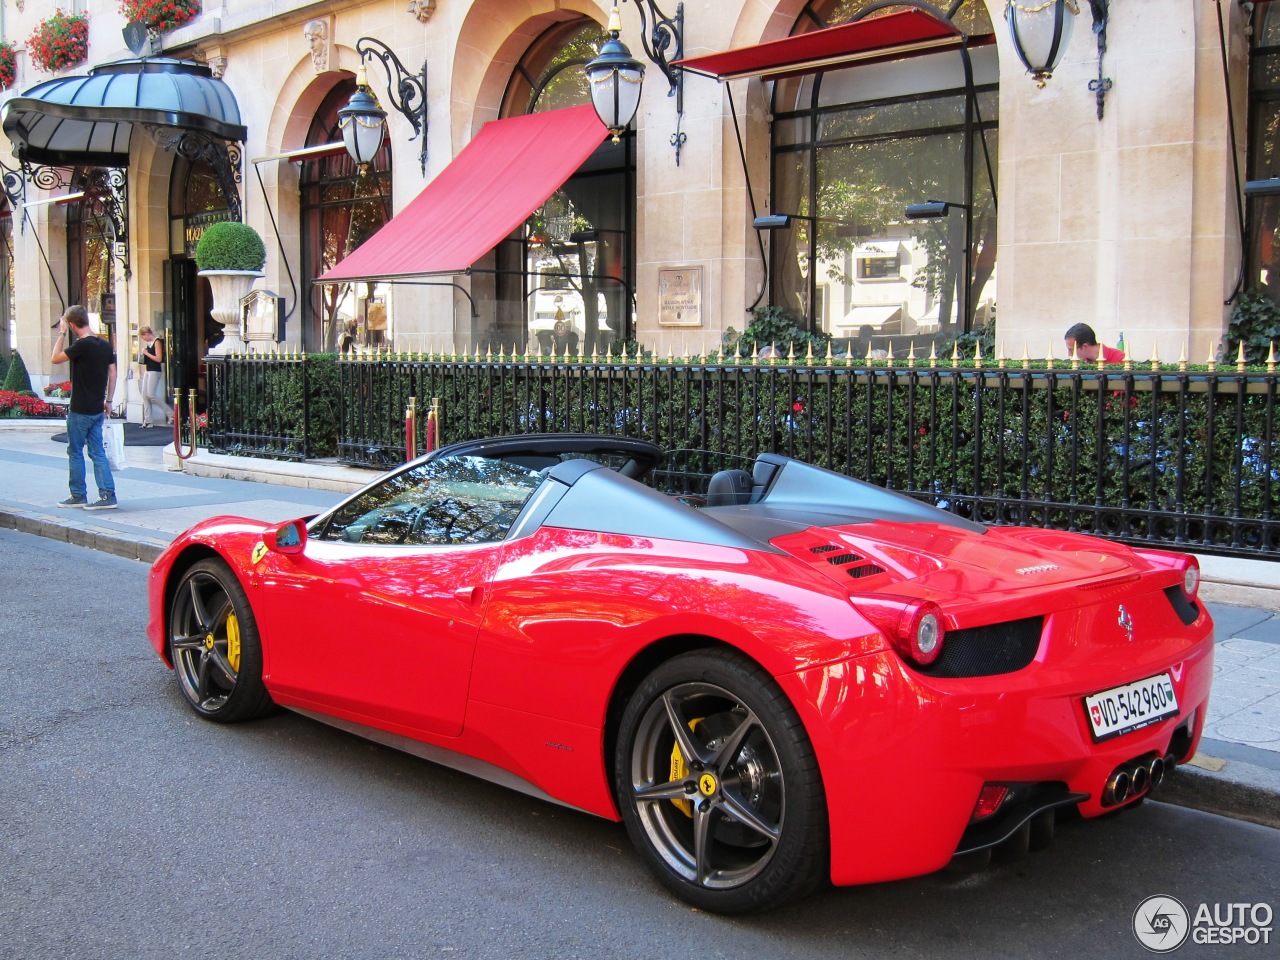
(565, 279)
(94, 223)
(851, 150)
(341, 207)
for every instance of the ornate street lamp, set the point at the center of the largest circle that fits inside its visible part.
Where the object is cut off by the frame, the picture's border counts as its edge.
(362, 123)
(1041, 32)
(361, 120)
(615, 78)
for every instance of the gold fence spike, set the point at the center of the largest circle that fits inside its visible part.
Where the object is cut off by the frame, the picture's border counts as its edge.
(1241, 363)
(1271, 358)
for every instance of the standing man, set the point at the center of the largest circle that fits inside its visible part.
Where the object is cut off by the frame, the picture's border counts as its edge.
(93, 380)
(153, 377)
(1083, 343)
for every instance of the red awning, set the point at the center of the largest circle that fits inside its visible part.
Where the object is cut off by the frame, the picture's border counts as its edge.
(490, 188)
(888, 37)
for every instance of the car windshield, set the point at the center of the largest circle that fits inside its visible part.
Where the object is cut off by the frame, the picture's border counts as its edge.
(448, 500)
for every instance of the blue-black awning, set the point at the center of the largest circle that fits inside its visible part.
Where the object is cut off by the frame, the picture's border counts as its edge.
(88, 120)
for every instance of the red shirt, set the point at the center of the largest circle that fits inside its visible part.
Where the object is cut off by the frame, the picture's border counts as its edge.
(1111, 354)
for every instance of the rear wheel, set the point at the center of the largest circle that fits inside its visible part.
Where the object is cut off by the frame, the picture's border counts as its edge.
(214, 643)
(719, 786)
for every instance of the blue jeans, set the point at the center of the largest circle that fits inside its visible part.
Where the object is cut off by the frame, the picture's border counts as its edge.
(86, 429)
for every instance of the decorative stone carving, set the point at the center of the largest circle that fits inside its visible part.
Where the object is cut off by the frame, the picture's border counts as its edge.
(422, 9)
(317, 35)
(218, 65)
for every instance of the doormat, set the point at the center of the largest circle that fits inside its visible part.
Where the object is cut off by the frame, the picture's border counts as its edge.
(135, 435)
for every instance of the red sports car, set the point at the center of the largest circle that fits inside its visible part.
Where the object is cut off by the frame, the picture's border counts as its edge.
(776, 676)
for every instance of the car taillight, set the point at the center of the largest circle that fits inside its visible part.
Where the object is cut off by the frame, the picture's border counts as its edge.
(989, 801)
(1191, 578)
(914, 627)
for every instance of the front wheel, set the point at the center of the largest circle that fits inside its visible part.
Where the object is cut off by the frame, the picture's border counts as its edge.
(214, 644)
(719, 786)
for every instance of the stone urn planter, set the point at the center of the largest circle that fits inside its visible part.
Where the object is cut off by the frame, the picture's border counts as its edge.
(230, 256)
(229, 288)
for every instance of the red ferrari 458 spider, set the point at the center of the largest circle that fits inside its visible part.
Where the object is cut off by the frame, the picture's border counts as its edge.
(776, 677)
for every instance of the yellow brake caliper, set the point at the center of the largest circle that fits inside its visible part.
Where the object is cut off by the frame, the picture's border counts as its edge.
(679, 770)
(233, 642)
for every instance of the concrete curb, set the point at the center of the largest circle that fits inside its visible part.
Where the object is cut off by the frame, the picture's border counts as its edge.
(1255, 799)
(61, 529)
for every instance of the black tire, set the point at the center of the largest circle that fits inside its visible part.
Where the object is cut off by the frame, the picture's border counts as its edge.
(215, 647)
(742, 826)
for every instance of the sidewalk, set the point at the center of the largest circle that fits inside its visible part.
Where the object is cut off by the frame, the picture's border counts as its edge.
(1236, 773)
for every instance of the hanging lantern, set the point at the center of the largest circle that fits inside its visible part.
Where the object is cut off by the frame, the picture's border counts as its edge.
(362, 123)
(1041, 32)
(615, 78)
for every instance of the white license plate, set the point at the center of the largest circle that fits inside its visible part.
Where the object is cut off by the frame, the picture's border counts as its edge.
(1131, 707)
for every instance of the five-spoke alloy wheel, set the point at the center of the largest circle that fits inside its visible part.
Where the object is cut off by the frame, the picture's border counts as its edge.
(719, 786)
(213, 640)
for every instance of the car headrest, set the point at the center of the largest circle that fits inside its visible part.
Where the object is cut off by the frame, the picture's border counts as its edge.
(729, 488)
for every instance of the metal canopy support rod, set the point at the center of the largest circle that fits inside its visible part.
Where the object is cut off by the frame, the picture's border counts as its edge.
(223, 156)
(667, 34)
(407, 91)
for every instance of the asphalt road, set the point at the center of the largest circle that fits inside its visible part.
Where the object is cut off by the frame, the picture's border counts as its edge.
(132, 829)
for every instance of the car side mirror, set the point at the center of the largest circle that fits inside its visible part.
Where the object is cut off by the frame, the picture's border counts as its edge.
(289, 537)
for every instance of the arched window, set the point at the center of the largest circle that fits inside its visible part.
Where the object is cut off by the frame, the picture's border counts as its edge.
(565, 279)
(341, 208)
(852, 149)
(1263, 215)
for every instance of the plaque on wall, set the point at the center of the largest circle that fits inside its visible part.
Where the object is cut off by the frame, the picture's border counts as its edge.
(262, 316)
(680, 297)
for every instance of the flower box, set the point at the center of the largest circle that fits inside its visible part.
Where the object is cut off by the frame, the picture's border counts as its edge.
(161, 15)
(60, 41)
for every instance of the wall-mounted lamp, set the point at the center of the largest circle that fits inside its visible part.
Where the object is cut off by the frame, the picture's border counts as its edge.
(615, 78)
(614, 67)
(362, 119)
(932, 209)
(1041, 32)
(774, 221)
(1262, 188)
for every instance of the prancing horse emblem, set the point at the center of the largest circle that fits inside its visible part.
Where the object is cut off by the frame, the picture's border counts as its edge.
(1127, 622)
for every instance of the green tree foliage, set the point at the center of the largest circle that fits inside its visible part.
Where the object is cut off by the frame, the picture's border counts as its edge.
(16, 377)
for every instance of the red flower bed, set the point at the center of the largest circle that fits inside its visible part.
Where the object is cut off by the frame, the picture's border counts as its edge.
(60, 41)
(14, 404)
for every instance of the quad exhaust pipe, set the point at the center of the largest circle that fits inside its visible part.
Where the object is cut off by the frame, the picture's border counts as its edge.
(1135, 778)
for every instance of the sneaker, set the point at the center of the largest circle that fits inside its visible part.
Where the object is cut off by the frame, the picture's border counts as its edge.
(73, 502)
(102, 503)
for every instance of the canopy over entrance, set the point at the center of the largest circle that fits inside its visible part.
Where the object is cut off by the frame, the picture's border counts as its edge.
(888, 37)
(501, 177)
(88, 120)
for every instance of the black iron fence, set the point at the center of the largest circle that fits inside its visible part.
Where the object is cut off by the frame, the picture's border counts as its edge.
(1181, 458)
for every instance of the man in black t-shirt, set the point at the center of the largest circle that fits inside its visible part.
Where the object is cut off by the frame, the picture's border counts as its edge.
(93, 380)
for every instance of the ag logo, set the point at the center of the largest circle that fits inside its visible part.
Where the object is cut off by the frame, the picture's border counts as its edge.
(1161, 924)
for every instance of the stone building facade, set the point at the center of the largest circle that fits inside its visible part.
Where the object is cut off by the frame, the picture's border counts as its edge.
(1123, 212)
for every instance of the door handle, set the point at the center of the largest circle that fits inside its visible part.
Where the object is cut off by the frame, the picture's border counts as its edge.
(468, 595)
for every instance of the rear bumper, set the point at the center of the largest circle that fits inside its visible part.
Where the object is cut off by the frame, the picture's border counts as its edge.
(904, 757)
